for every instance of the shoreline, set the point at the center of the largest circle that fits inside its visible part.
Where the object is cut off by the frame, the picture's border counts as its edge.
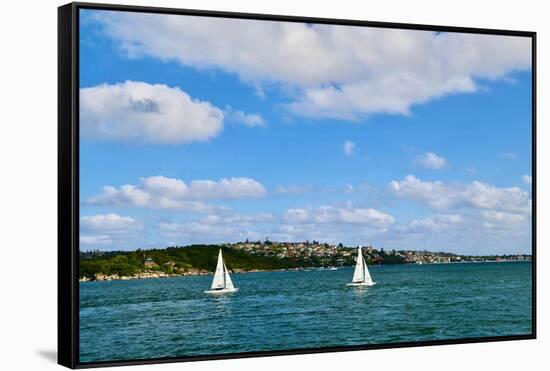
(100, 277)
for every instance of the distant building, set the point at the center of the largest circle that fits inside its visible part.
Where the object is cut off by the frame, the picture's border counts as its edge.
(149, 263)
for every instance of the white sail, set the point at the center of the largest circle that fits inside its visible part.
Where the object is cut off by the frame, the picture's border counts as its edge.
(228, 282)
(359, 273)
(222, 282)
(366, 274)
(219, 277)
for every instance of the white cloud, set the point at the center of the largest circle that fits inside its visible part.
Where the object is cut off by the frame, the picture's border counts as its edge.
(430, 160)
(95, 240)
(152, 113)
(160, 192)
(527, 179)
(334, 214)
(469, 231)
(293, 189)
(426, 230)
(237, 219)
(141, 112)
(197, 232)
(332, 224)
(349, 147)
(106, 229)
(503, 220)
(475, 195)
(330, 71)
(216, 228)
(434, 223)
(107, 222)
(244, 118)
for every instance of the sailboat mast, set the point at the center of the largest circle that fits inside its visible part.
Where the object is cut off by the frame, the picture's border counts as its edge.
(224, 271)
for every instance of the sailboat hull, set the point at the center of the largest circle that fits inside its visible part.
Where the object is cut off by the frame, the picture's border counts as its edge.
(222, 291)
(361, 284)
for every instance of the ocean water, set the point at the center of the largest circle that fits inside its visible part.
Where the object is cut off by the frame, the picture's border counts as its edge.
(140, 319)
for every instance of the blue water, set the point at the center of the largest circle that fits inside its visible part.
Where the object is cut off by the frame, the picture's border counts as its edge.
(121, 320)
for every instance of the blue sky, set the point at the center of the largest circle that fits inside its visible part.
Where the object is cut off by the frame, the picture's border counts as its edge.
(209, 130)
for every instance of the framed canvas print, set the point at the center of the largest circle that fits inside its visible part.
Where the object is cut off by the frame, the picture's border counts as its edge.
(237, 185)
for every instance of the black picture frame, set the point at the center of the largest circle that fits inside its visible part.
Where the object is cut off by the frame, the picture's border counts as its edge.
(68, 180)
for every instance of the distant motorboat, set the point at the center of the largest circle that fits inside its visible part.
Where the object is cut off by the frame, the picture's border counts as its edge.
(221, 283)
(332, 268)
(361, 275)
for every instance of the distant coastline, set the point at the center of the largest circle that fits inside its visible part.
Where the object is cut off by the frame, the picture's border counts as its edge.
(160, 274)
(243, 257)
(155, 274)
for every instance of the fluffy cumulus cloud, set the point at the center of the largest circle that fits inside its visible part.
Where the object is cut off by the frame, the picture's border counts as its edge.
(107, 222)
(141, 112)
(503, 220)
(151, 113)
(329, 71)
(95, 240)
(465, 231)
(216, 227)
(489, 210)
(294, 189)
(349, 148)
(106, 229)
(527, 179)
(430, 160)
(332, 224)
(426, 230)
(338, 215)
(247, 119)
(159, 192)
(434, 223)
(326, 223)
(475, 194)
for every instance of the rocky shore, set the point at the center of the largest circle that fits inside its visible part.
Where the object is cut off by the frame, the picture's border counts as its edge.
(160, 274)
(143, 275)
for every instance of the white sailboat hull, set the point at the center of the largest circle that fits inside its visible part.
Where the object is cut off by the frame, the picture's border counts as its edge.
(222, 291)
(358, 284)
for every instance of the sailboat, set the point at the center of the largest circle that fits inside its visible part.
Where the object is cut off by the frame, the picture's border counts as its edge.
(222, 282)
(361, 275)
